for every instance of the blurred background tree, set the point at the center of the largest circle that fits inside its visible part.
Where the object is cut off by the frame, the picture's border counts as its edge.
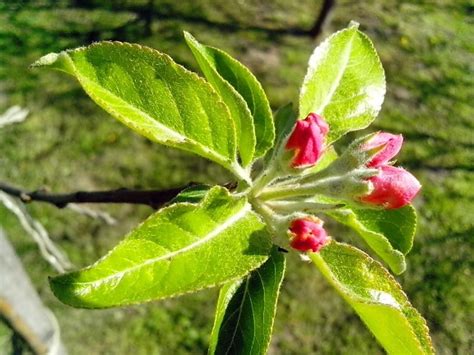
(68, 144)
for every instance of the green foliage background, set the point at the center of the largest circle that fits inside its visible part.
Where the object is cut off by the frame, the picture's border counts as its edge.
(68, 143)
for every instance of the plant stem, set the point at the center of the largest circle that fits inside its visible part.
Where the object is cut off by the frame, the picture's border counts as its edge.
(266, 213)
(282, 192)
(241, 173)
(266, 177)
(303, 206)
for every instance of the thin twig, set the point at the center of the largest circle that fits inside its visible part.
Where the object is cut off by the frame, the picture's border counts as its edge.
(152, 198)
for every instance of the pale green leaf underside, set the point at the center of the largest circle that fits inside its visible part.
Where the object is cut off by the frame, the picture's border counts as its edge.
(389, 233)
(376, 297)
(246, 310)
(147, 91)
(241, 79)
(180, 249)
(212, 62)
(345, 83)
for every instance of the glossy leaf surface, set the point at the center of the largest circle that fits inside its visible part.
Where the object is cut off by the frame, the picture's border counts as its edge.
(389, 233)
(147, 91)
(213, 61)
(182, 248)
(220, 68)
(246, 309)
(345, 82)
(376, 297)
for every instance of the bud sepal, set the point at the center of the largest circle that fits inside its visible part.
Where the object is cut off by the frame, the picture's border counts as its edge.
(359, 154)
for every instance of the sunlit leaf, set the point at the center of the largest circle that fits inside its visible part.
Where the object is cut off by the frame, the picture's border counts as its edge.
(147, 91)
(230, 71)
(389, 233)
(376, 297)
(212, 62)
(345, 82)
(180, 249)
(192, 194)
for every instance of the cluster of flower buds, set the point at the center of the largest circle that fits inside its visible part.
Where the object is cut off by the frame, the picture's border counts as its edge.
(308, 234)
(308, 141)
(389, 187)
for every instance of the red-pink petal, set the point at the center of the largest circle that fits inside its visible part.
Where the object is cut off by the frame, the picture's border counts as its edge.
(319, 122)
(307, 139)
(393, 144)
(308, 234)
(393, 188)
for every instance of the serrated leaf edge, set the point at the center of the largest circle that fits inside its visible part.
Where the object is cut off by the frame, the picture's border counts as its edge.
(246, 206)
(389, 249)
(266, 107)
(231, 164)
(283, 271)
(353, 26)
(239, 99)
(260, 87)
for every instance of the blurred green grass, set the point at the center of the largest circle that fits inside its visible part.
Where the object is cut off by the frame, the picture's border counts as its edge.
(67, 143)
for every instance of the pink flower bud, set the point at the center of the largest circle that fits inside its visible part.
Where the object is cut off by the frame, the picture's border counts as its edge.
(393, 188)
(307, 139)
(392, 143)
(308, 234)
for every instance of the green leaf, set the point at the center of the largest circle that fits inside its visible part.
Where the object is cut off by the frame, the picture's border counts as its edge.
(213, 61)
(376, 297)
(399, 225)
(246, 309)
(219, 67)
(285, 118)
(345, 82)
(182, 248)
(192, 194)
(389, 233)
(147, 91)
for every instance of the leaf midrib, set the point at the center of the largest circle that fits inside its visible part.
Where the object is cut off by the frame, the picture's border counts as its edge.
(241, 307)
(256, 106)
(240, 104)
(179, 138)
(346, 56)
(211, 235)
